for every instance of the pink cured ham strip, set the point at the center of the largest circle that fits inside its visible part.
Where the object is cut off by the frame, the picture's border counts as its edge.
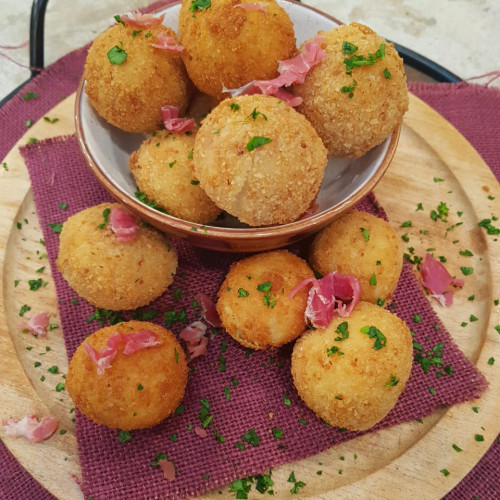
(139, 20)
(437, 280)
(252, 6)
(37, 325)
(123, 225)
(208, 310)
(173, 123)
(201, 432)
(168, 469)
(333, 294)
(196, 341)
(292, 71)
(166, 42)
(134, 342)
(31, 428)
(103, 359)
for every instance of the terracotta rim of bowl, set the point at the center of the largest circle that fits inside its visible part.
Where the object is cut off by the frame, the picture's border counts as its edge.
(186, 228)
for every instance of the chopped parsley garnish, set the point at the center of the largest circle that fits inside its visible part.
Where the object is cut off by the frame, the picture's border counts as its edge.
(373, 279)
(56, 228)
(30, 95)
(255, 114)
(60, 387)
(251, 437)
(5, 167)
(393, 382)
(116, 55)
(478, 437)
(490, 229)
(445, 472)
(118, 19)
(349, 89)
(242, 292)
(417, 318)
(257, 141)
(199, 5)
(431, 358)
(441, 212)
(374, 333)
(35, 284)
(366, 234)
(234, 106)
(105, 215)
(407, 223)
(171, 317)
(179, 410)
(466, 271)
(297, 484)
(456, 448)
(466, 253)
(140, 387)
(158, 457)
(342, 330)
(63, 206)
(387, 74)
(277, 433)
(124, 436)
(491, 361)
(53, 369)
(25, 308)
(287, 400)
(330, 351)
(222, 363)
(348, 48)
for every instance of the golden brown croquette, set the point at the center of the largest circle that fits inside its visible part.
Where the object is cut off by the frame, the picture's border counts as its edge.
(354, 109)
(253, 302)
(365, 246)
(138, 390)
(129, 94)
(163, 170)
(259, 160)
(228, 46)
(354, 382)
(108, 273)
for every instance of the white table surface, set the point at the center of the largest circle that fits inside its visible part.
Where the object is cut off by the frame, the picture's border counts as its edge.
(461, 35)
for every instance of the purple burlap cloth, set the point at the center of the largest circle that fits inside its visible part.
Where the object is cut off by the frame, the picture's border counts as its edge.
(122, 470)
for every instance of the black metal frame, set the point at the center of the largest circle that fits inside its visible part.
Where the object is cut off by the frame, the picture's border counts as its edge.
(37, 24)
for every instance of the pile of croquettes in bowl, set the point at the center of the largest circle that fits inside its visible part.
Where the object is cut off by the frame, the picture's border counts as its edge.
(239, 125)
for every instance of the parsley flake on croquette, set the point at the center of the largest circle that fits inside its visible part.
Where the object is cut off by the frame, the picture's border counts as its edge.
(257, 141)
(342, 330)
(374, 333)
(116, 55)
(200, 5)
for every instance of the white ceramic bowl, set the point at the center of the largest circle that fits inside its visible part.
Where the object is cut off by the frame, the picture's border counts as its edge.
(107, 150)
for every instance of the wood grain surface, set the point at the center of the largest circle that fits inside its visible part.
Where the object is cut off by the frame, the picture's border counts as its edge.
(400, 462)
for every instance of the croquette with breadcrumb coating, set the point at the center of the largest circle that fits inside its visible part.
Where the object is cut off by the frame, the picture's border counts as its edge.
(365, 246)
(128, 80)
(254, 304)
(109, 273)
(163, 170)
(226, 45)
(357, 96)
(130, 390)
(259, 160)
(352, 372)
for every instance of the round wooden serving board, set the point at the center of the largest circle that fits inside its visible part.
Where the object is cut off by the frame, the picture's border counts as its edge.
(400, 462)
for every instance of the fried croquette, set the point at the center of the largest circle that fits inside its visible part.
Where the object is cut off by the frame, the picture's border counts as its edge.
(163, 170)
(253, 302)
(365, 246)
(358, 95)
(352, 372)
(108, 273)
(137, 390)
(128, 80)
(259, 160)
(226, 45)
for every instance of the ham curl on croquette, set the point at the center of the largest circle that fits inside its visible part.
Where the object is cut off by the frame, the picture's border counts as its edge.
(140, 378)
(112, 261)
